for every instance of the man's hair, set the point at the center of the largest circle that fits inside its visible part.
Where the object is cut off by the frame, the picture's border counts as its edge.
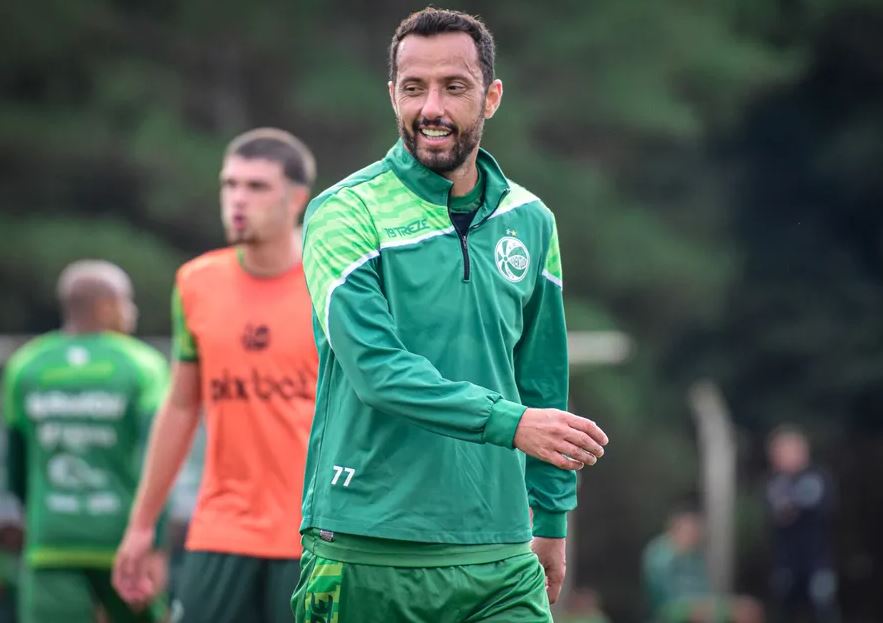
(787, 429)
(279, 146)
(685, 504)
(83, 282)
(431, 21)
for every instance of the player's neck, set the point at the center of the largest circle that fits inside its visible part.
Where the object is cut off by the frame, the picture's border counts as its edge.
(465, 176)
(272, 257)
(82, 327)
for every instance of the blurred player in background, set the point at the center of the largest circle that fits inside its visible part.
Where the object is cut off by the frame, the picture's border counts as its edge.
(436, 283)
(77, 404)
(676, 579)
(243, 352)
(800, 499)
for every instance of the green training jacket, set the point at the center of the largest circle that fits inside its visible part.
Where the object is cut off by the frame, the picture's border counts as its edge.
(431, 346)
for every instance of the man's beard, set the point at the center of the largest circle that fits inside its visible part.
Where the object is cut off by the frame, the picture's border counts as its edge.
(443, 161)
(240, 237)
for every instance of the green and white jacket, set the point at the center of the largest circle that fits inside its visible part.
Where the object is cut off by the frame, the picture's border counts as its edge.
(431, 346)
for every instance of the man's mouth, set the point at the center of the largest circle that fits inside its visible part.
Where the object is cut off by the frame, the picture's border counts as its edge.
(435, 133)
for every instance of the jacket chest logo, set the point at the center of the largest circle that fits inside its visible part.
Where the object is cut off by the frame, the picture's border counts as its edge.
(512, 258)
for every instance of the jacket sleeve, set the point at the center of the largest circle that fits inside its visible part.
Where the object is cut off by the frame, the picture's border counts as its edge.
(541, 371)
(341, 263)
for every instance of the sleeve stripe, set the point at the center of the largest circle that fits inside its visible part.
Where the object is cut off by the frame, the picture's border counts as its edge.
(512, 206)
(340, 281)
(556, 280)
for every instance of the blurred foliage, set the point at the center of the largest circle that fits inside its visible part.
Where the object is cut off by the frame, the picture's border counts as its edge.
(714, 168)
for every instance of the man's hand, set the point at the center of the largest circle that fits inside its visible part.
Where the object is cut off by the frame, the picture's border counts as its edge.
(552, 558)
(158, 571)
(137, 575)
(560, 438)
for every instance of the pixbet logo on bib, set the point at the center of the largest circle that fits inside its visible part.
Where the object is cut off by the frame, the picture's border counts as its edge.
(512, 258)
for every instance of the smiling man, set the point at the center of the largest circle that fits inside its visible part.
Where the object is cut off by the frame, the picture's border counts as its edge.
(244, 355)
(440, 422)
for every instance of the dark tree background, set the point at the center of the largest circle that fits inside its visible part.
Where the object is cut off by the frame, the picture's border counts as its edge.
(715, 169)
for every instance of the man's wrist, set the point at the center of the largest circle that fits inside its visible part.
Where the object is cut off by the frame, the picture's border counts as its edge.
(141, 522)
(549, 524)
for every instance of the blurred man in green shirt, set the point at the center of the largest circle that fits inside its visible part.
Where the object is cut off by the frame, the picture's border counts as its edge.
(676, 577)
(77, 404)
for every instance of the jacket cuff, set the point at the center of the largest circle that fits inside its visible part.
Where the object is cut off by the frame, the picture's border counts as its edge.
(549, 524)
(502, 422)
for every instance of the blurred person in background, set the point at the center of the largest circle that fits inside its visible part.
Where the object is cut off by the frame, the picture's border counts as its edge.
(77, 404)
(244, 354)
(800, 499)
(675, 577)
(436, 283)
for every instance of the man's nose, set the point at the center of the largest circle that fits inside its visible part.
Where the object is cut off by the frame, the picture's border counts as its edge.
(238, 196)
(434, 105)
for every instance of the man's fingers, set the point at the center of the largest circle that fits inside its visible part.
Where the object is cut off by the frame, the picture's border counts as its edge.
(122, 573)
(553, 590)
(588, 427)
(584, 442)
(135, 593)
(554, 580)
(566, 462)
(576, 453)
(128, 579)
(561, 461)
(551, 554)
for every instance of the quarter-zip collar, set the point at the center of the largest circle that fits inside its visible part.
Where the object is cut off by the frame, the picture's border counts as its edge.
(435, 188)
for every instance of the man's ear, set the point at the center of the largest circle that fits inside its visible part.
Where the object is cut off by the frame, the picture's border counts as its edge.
(493, 98)
(298, 197)
(392, 96)
(104, 310)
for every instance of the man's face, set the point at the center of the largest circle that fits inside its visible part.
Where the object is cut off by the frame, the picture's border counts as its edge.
(117, 311)
(257, 200)
(440, 100)
(789, 453)
(686, 531)
(126, 314)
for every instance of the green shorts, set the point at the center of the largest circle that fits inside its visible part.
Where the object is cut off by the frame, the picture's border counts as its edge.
(228, 588)
(74, 595)
(507, 591)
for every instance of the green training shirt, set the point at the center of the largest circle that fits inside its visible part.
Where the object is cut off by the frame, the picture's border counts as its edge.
(431, 345)
(674, 581)
(78, 409)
